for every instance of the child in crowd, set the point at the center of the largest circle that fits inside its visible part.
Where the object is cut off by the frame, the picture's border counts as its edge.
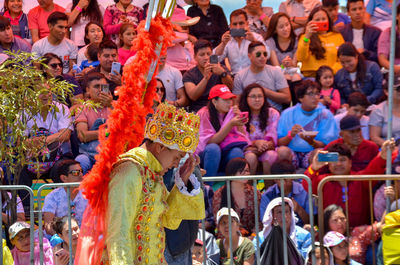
(127, 34)
(20, 238)
(338, 19)
(61, 251)
(242, 248)
(261, 128)
(339, 247)
(330, 97)
(197, 252)
(91, 54)
(328, 257)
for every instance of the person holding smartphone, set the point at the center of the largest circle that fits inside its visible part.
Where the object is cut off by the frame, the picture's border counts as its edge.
(319, 43)
(88, 120)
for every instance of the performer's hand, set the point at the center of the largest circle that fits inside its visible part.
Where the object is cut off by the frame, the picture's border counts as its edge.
(187, 169)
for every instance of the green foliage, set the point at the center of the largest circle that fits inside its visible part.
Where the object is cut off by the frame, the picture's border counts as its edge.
(22, 91)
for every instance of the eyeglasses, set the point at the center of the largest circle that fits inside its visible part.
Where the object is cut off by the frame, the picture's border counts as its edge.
(76, 173)
(258, 54)
(54, 65)
(312, 94)
(254, 97)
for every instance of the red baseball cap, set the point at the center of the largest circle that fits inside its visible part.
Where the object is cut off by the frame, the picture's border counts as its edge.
(221, 91)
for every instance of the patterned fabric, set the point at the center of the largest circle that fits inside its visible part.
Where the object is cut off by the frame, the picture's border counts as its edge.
(56, 202)
(360, 240)
(246, 215)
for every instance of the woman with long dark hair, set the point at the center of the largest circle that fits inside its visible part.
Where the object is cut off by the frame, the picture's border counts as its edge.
(222, 131)
(261, 128)
(357, 74)
(94, 33)
(318, 45)
(81, 12)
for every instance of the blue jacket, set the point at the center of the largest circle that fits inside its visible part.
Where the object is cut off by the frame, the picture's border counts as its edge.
(23, 27)
(370, 38)
(371, 87)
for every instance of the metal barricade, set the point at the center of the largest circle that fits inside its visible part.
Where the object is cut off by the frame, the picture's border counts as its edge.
(68, 186)
(254, 179)
(346, 179)
(32, 217)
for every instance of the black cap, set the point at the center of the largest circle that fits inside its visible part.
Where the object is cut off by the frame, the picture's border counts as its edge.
(350, 122)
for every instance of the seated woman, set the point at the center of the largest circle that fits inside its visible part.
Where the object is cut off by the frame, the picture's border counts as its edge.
(61, 251)
(54, 69)
(357, 74)
(261, 128)
(307, 125)
(360, 236)
(242, 195)
(258, 16)
(243, 250)
(94, 33)
(339, 246)
(273, 213)
(222, 131)
(318, 45)
(282, 41)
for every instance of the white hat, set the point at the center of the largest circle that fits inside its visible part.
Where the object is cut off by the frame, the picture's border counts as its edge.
(17, 227)
(225, 211)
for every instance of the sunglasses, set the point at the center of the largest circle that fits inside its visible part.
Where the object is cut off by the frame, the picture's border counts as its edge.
(76, 173)
(258, 54)
(54, 65)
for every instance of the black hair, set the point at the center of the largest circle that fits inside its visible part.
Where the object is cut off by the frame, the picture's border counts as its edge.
(328, 211)
(237, 13)
(91, 12)
(59, 222)
(91, 76)
(316, 47)
(107, 44)
(47, 57)
(235, 165)
(271, 31)
(330, 3)
(87, 30)
(253, 45)
(282, 167)
(213, 112)
(352, 1)
(348, 49)
(340, 148)
(4, 23)
(321, 71)
(244, 106)
(55, 17)
(358, 98)
(64, 165)
(92, 51)
(124, 27)
(200, 44)
(301, 87)
(162, 89)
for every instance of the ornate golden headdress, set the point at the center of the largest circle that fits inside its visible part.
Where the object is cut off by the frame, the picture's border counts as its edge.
(174, 128)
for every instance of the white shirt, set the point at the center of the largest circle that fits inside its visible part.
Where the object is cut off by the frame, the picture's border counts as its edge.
(238, 55)
(358, 38)
(172, 79)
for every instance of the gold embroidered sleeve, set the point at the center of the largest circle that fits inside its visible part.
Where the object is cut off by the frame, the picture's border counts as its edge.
(183, 207)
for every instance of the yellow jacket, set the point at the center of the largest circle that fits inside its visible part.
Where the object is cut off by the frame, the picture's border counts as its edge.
(331, 42)
(391, 238)
(140, 207)
(7, 257)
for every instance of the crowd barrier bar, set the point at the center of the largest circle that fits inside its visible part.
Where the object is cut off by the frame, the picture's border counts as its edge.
(346, 179)
(228, 179)
(32, 217)
(56, 185)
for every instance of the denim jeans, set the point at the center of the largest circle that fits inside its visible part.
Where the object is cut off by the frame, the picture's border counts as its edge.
(214, 160)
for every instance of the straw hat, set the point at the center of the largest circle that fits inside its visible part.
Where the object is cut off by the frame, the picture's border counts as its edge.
(179, 18)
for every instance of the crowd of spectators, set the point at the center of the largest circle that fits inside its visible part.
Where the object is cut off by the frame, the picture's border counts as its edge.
(273, 91)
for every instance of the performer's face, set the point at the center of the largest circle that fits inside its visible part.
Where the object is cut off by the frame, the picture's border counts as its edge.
(169, 158)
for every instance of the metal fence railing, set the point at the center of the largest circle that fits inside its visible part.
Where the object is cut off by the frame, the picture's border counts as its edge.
(345, 179)
(254, 179)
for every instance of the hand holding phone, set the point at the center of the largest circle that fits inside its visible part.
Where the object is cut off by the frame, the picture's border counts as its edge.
(328, 157)
(244, 114)
(214, 59)
(115, 68)
(238, 32)
(322, 25)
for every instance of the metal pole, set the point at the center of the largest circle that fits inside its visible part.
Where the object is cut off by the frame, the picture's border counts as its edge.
(285, 256)
(228, 187)
(390, 96)
(71, 262)
(203, 225)
(256, 209)
(1, 225)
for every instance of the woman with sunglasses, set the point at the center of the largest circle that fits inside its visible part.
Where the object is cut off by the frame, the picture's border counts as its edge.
(56, 202)
(318, 45)
(54, 69)
(61, 251)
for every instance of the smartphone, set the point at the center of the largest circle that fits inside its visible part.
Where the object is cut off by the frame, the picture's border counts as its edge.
(214, 59)
(328, 157)
(76, 68)
(322, 26)
(115, 67)
(105, 88)
(238, 32)
(244, 114)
